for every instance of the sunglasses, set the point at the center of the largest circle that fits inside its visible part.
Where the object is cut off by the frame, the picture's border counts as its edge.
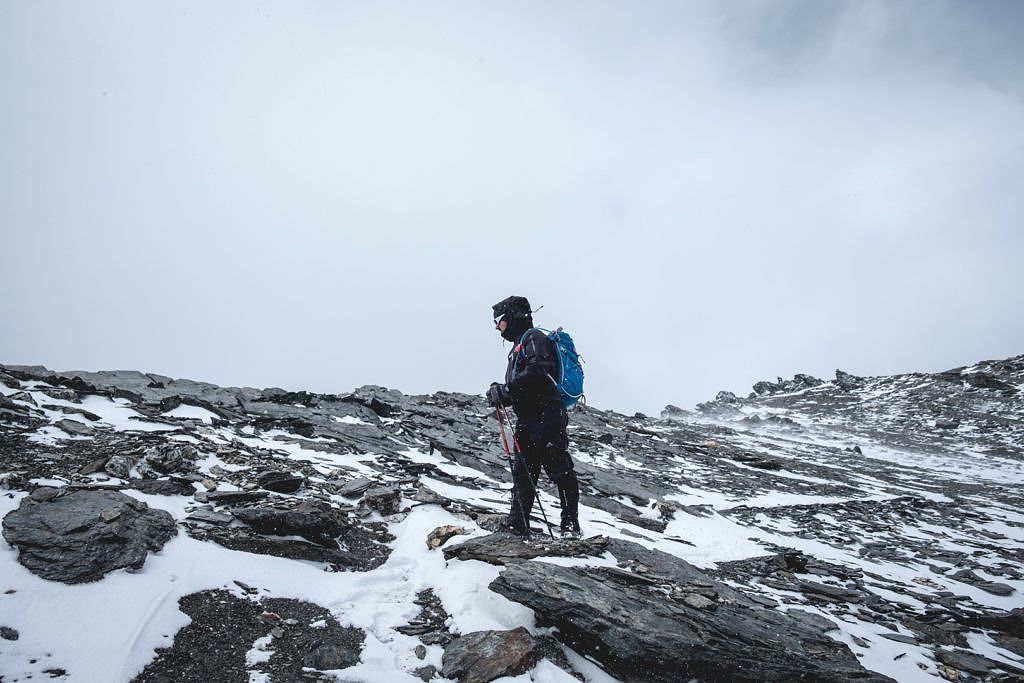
(498, 319)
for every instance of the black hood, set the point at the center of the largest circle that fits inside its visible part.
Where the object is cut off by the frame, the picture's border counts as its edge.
(516, 310)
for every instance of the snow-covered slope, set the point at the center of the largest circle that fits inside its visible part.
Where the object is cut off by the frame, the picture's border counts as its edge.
(883, 513)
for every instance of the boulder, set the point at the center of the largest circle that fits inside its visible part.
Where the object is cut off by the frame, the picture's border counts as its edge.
(671, 412)
(439, 536)
(425, 673)
(119, 466)
(848, 382)
(78, 536)
(384, 499)
(668, 621)
(331, 656)
(315, 521)
(73, 427)
(354, 487)
(969, 577)
(485, 655)
(171, 457)
(281, 482)
(502, 548)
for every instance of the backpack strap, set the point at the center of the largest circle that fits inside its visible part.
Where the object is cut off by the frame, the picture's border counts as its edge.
(518, 349)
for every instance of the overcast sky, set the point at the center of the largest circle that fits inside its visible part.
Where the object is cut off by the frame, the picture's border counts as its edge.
(320, 195)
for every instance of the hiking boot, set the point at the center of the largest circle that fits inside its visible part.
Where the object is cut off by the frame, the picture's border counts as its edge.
(511, 526)
(571, 529)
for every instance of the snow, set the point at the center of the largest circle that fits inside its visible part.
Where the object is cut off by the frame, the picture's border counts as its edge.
(260, 652)
(349, 420)
(446, 466)
(189, 412)
(715, 539)
(108, 630)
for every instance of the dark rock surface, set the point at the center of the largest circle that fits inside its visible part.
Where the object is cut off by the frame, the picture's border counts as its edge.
(315, 521)
(482, 656)
(281, 482)
(431, 624)
(74, 427)
(501, 548)
(171, 457)
(78, 536)
(672, 622)
(383, 499)
(224, 627)
(912, 514)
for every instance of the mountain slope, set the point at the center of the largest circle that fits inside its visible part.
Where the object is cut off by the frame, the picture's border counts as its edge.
(873, 520)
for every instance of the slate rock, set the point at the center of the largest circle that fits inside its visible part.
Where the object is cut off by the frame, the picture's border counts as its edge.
(848, 382)
(119, 466)
(425, 673)
(281, 482)
(331, 656)
(208, 516)
(315, 521)
(93, 466)
(726, 397)
(995, 588)
(8, 633)
(1011, 623)
(354, 487)
(384, 499)
(985, 380)
(967, 661)
(74, 427)
(230, 497)
(171, 457)
(485, 655)
(163, 487)
(363, 553)
(837, 593)
(623, 620)
(78, 536)
(23, 396)
(501, 548)
(969, 577)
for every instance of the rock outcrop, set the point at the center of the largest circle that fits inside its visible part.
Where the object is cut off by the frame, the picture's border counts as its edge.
(670, 622)
(78, 536)
(482, 656)
(908, 485)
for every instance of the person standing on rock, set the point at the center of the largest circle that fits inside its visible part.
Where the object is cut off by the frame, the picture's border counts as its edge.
(530, 390)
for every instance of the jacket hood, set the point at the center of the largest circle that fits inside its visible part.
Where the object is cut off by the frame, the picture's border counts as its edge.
(515, 310)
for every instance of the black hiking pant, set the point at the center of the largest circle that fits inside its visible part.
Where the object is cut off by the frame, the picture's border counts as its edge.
(544, 443)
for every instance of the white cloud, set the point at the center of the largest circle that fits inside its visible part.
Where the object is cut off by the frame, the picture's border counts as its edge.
(331, 195)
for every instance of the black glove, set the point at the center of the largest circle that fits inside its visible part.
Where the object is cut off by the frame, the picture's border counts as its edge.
(497, 395)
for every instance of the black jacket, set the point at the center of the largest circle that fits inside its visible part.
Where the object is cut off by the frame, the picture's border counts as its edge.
(530, 377)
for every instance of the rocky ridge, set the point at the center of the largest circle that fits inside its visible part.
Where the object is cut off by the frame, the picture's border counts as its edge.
(856, 529)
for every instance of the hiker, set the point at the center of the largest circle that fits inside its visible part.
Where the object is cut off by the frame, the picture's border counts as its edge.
(530, 390)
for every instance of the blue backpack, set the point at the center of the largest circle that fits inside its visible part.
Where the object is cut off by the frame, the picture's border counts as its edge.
(570, 372)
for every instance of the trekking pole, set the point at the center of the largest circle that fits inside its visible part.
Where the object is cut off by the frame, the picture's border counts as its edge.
(512, 467)
(502, 416)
